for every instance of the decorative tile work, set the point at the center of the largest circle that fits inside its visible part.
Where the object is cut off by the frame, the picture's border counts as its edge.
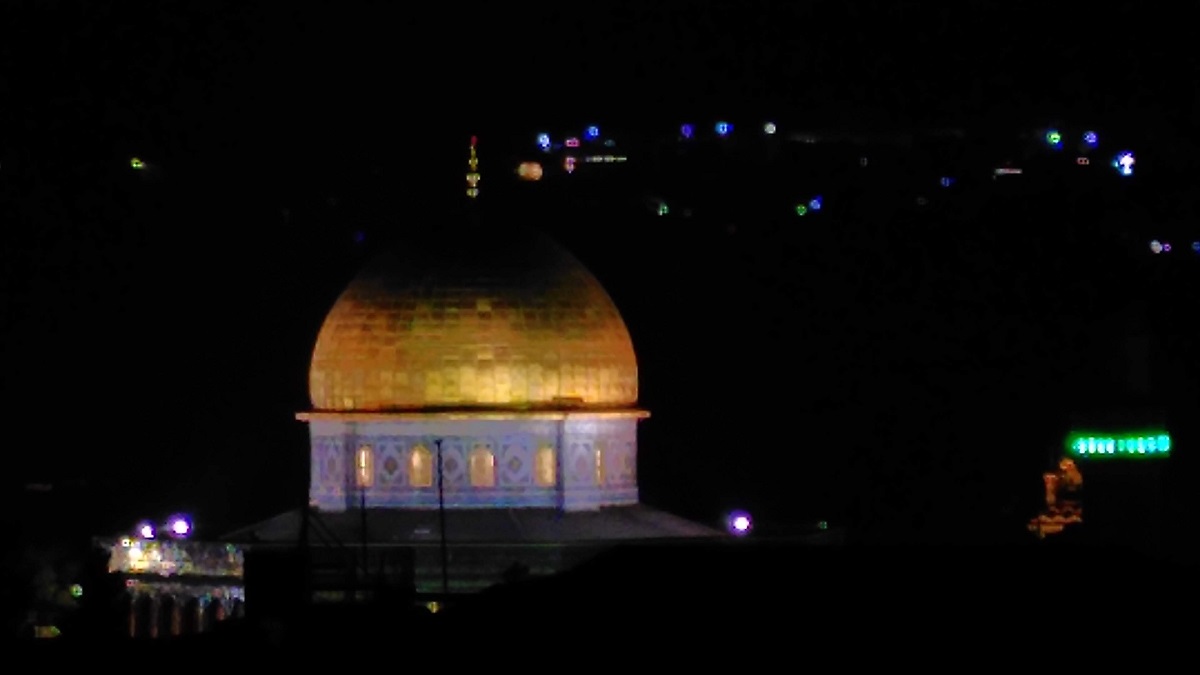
(517, 464)
(328, 470)
(454, 464)
(391, 468)
(580, 463)
(513, 444)
(510, 323)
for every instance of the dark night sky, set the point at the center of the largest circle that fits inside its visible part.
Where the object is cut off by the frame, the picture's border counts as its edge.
(155, 328)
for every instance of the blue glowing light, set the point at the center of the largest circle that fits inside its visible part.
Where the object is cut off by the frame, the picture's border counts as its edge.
(815, 203)
(1196, 246)
(1124, 162)
(946, 181)
(543, 141)
(687, 131)
(723, 128)
(1090, 139)
(592, 132)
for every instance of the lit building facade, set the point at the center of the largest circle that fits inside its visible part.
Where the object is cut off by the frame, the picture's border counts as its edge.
(175, 588)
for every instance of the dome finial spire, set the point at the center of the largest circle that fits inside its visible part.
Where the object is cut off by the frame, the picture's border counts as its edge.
(473, 171)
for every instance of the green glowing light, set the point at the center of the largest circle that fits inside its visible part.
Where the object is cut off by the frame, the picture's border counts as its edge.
(801, 209)
(76, 591)
(136, 163)
(1053, 137)
(1103, 446)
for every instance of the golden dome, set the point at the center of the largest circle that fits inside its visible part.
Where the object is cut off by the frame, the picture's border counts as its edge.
(475, 320)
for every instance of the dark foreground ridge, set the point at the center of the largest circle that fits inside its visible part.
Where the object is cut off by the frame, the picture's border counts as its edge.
(773, 593)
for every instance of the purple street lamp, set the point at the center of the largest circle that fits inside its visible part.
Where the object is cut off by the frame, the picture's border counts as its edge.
(145, 529)
(179, 526)
(739, 523)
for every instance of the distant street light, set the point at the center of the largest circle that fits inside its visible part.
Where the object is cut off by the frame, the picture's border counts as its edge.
(179, 527)
(146, 530)
(739, 523)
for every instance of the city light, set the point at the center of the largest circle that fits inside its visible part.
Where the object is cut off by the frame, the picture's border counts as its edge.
(1124, 162)
(723, 128)
(1089, 446)
(739, 523)
(1090, 139)
(769, 128)
(146, 530)
(136, 163)
(530, 171)
(1054, 139)
(179, 526)
(687, 131)
(473, 170)
(592, 132)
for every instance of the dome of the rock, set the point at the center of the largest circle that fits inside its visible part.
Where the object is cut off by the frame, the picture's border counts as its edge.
(471, 320)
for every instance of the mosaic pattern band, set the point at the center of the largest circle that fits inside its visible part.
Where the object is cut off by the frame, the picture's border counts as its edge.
(567, 464)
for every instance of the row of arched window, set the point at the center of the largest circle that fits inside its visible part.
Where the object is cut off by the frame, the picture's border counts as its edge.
(481, 467)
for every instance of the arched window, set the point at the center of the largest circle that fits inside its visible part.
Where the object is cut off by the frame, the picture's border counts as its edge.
(420, 467)
(364, 467)
(544, 466)
(601, 475)
(483, 467)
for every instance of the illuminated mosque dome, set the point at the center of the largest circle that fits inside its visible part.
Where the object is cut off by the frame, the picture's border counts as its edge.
(474, 380)
(471, 319)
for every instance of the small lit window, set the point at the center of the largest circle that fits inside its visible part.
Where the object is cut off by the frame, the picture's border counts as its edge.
(544, 465)
(600, 473)
(364, 467)
(483, 468)
(420, 467)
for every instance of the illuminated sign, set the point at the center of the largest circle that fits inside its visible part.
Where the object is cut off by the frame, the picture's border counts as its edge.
(1130, 445)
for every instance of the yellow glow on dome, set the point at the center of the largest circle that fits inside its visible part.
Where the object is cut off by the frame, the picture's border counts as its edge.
(477, 323)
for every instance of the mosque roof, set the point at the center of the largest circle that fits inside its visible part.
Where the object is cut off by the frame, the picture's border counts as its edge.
(473, 318)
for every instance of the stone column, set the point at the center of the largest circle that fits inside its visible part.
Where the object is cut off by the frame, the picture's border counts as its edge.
(201, 618)
(133, 614)
(176, 617)
(152, 620)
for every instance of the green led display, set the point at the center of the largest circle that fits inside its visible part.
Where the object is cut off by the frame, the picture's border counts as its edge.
(1089, 446)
